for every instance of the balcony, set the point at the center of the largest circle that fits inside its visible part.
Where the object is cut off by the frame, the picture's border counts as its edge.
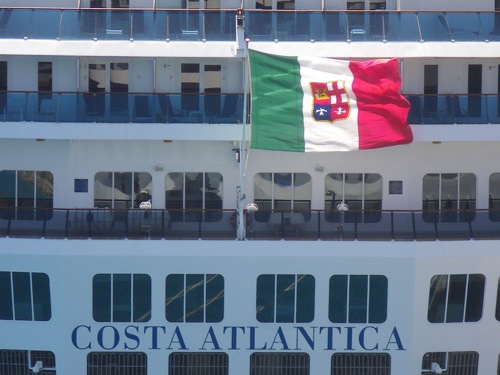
(121, 108)
(211, 108)
(220, 25)
(104, 223)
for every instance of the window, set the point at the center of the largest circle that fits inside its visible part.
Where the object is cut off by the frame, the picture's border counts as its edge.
(281, 192)
(361, 364)
(117, 363)
(463, 363)
(121, 190)
(494, 197)
(198, 363)
(362, 192)
(121, 297)
(456, 298)
(27, 190)
(13, 362)
(194, 191)
(3, 76)
(431, 87)
(24, 296)
(449, 192)
(275, 4)
(366, 4)
(358, 299)
(45, 76)
(474, 89)
(285, 298)
(497, 311)
(194, 298)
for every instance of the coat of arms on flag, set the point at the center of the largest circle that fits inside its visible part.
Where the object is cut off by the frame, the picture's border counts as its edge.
(330, 101)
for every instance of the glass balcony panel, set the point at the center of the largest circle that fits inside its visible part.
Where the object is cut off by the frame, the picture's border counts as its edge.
(15, 23)
(335, 26)
(259, 25)
(142, 25)
(45, 24)
(493, 108)
(464, 26)
(490, 23)
(71, 25)
(219, 25)
(161, 25)
(433, 27)
(377, 24)
(402, 27)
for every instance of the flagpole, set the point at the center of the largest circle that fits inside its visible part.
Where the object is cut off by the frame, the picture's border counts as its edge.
(243, 151)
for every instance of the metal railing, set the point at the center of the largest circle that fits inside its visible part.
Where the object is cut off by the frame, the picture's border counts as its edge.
(211, 108)
(121, 108)
(107, 223)
(260, 25)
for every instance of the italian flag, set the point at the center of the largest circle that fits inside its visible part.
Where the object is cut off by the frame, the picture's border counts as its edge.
(319, 104)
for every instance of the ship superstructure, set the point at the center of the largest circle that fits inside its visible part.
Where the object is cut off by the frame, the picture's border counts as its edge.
(140, 233)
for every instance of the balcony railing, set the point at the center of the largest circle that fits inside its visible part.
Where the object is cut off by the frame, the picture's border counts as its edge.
(211, 108)
(261, 225)
(220, 25)
(121, 108)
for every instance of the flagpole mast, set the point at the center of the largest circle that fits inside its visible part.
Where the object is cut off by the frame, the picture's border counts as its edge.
(243, 152)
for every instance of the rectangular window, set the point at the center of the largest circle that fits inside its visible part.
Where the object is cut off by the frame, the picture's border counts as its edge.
(17, 362)
(121, 297)
(285, 298)
(198, 363)
(25, 296)
(3, 76)
(99, 363)
(45, 76)
(456, 298)
(463, 363)
(194, 192)
(358, 299)
(280, 363)
(452, 197)
(359, 191)
(194, 298)
(475, 89)
(361, 364)
(121, 190)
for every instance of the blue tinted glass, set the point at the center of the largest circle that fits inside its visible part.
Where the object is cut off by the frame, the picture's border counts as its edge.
(195, 298)
(475, 296)
(285, 298)
(337, 310)
(305, 298)
(437, 298)
(378, 299)
(214, 298)
(101, 298)
(6, 312)
(265, 298)
(122, 301)
(141, 298)
(22, 296)
(41, 297)
(358, 298)
(174, 298)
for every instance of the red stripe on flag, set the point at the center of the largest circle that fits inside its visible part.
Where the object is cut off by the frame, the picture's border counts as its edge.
(383, 111)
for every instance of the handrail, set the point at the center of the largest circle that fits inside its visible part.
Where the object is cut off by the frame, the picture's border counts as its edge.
(362, 225)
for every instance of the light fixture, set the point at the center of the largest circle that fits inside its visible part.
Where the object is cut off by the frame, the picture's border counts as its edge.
(236, 154)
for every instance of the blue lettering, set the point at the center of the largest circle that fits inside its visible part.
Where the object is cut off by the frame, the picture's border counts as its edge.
(397, 340)
(180, 339)
(362, 338)
(74, 338)
(213, 340)
(234, 334)
(252, 340)
(349, 338)
(305, 335)
(329, 337)
(154, 335)
(132, 336)
(115, 338)
(282, 340)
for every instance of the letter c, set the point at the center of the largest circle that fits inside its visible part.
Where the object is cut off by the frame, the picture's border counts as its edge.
(74, 338)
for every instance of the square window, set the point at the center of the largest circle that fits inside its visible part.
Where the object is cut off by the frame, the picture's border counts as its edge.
(81, 185)
(395, 187)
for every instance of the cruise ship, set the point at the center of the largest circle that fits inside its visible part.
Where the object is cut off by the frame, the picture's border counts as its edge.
(142, 233)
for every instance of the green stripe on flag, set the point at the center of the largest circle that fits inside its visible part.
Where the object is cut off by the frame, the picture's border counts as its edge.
(277, 119)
